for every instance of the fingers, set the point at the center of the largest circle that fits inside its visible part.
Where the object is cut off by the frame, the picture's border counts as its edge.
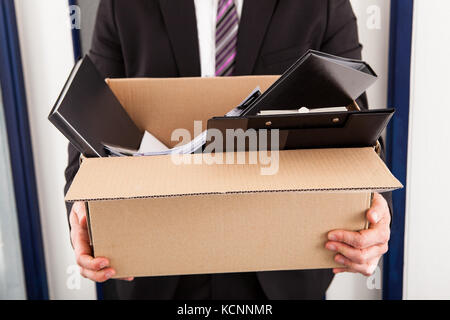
(360, 251)
(378, 212)
(361, 239)
(378, 232)
(79, 209)
(85, 261)
(360, 256)
(83, 253)
(96, 269)
(78, 224)
(79, 233)
(80, 239)
(366, 269)
(73, 219)
(98, 276)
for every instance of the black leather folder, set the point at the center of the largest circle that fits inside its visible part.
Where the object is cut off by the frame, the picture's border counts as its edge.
(89, 115)
(316, 80)
(352, 129)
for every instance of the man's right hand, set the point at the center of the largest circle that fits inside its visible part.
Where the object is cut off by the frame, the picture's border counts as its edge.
(96, 269)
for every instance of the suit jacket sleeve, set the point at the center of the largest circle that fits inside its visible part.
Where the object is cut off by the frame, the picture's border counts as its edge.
(106, 53)
(341, 39)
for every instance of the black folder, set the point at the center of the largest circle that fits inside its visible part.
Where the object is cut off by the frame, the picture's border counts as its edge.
(351, 129)
(89, 115)
(316, 80)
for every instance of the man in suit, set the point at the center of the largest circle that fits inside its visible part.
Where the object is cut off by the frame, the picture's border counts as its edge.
(190, 38)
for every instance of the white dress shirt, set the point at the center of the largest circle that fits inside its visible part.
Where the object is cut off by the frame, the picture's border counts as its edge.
(206, 13)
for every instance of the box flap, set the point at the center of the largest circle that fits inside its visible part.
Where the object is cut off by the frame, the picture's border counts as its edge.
(353, 169)
(162, 105)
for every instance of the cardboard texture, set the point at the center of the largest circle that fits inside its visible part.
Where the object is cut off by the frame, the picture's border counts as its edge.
(152, 217)
(299, 170)
(162, 105)
(222, 233)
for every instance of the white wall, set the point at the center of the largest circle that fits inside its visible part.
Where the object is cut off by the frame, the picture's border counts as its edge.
(373, 22)
(47, 56)
(427, 252)
(374, 29)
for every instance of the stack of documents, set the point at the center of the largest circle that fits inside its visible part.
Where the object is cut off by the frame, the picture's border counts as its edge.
(301, 110)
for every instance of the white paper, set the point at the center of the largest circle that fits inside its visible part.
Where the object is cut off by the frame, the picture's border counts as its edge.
(301, 110)
(150, 143)
(151, 146)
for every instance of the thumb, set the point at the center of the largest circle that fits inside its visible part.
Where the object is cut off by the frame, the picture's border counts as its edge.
(80, 210)
(373, 216)
(83, 222)
(377, 210)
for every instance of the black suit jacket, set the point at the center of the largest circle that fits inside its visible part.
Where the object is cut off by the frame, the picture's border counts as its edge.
(158, 38)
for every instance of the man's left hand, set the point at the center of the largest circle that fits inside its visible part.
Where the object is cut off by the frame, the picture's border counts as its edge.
(360, 251)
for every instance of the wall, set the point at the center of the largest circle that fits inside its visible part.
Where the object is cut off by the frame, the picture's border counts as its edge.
(47, 56)
(373, 23)
(427, 253)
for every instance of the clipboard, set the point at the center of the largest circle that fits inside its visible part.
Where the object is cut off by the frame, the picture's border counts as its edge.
(344, 129)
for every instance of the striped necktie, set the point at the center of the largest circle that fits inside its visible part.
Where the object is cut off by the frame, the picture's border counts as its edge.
(226, 37)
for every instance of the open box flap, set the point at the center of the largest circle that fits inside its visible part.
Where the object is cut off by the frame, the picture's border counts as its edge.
(353, 169)
(161, 106)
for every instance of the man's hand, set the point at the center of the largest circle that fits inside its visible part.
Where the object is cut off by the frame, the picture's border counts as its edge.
(96, 269)
(360, 251)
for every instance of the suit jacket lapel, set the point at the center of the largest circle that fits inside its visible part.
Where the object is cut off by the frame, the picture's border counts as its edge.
(181, 25)
(256, 16)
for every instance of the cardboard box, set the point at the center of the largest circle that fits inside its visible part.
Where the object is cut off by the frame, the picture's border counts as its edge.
(153, 217)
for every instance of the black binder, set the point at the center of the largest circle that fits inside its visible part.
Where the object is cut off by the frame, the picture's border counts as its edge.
(316, 80)
(89, 115)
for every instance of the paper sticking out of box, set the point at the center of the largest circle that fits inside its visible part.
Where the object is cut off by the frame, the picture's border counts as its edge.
(301, 110)
(151, 144)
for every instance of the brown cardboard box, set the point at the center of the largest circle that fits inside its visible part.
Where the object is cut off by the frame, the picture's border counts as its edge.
(153, 217)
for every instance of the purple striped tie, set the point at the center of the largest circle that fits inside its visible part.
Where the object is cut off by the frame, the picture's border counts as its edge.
(226, 37)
